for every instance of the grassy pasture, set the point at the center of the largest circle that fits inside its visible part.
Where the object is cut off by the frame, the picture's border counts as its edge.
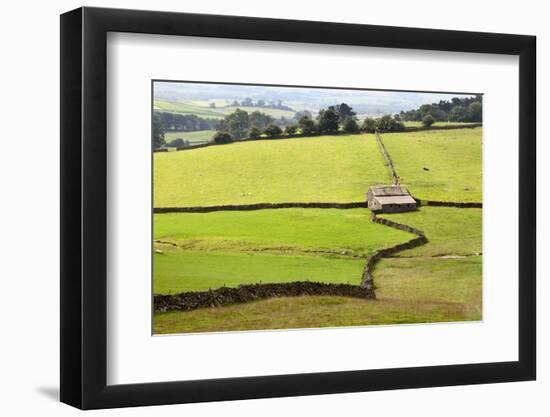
(438, 282)
(209, 250)
(318, 169)
(195, 138)
(220, 102)
(450, 231)
(178, 271)
(309, 312)
(414, 287)
(439, 290)
(278, 230)
(186, 108)
(452, 159)
(200, 108)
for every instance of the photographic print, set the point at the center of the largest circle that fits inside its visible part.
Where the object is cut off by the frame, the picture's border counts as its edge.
(284, 207)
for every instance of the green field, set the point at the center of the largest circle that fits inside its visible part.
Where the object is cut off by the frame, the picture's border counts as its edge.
(451, 231)
(441, 165)
(447, 269)
(186, 108)
(195, 138)
(180, 271)
(417, 286)
(436, 282)
(319, 169)
(200, 108)
(208, 250)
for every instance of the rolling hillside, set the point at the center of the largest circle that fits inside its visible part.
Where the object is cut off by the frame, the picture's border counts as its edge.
(201, 109)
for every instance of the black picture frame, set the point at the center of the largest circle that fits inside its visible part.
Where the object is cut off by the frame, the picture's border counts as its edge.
(84, 207)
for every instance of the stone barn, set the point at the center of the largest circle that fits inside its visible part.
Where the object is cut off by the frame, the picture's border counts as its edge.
(390, 199)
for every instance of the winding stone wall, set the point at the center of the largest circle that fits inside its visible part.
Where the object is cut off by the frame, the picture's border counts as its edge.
(421, 239)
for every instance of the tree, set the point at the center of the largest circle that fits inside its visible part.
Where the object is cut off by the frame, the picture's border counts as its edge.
(350, 125)
(328, 120)
(306, 125)
(272, 130)
(458, 109)
(247, 102)
(185, 122)
(260, 120)
(299, 114)
(222, 137)
(236, 124)
(178, 143)
(458, 114)
(157, 132)
(254, 132)
(475, 110)
(384, 123)
(344, 111)
(369, 125)
(387, 123)
(428, 120)
(291, 129)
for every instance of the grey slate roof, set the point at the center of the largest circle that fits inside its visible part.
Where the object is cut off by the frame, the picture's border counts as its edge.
(389, 190)
(395, 199)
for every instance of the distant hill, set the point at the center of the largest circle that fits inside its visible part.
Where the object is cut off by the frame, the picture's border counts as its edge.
(203, 109)
(194, 98)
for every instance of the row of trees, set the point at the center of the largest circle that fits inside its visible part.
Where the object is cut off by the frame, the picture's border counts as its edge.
(240, 124)
(467, 109)
(185, 122)
(386, 123)
(268, 104)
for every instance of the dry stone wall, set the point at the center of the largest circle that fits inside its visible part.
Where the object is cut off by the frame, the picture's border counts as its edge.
(387, 158)
(187, 301)
(259, 206)
(450, 127)
(458, 204)
(367, 280)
